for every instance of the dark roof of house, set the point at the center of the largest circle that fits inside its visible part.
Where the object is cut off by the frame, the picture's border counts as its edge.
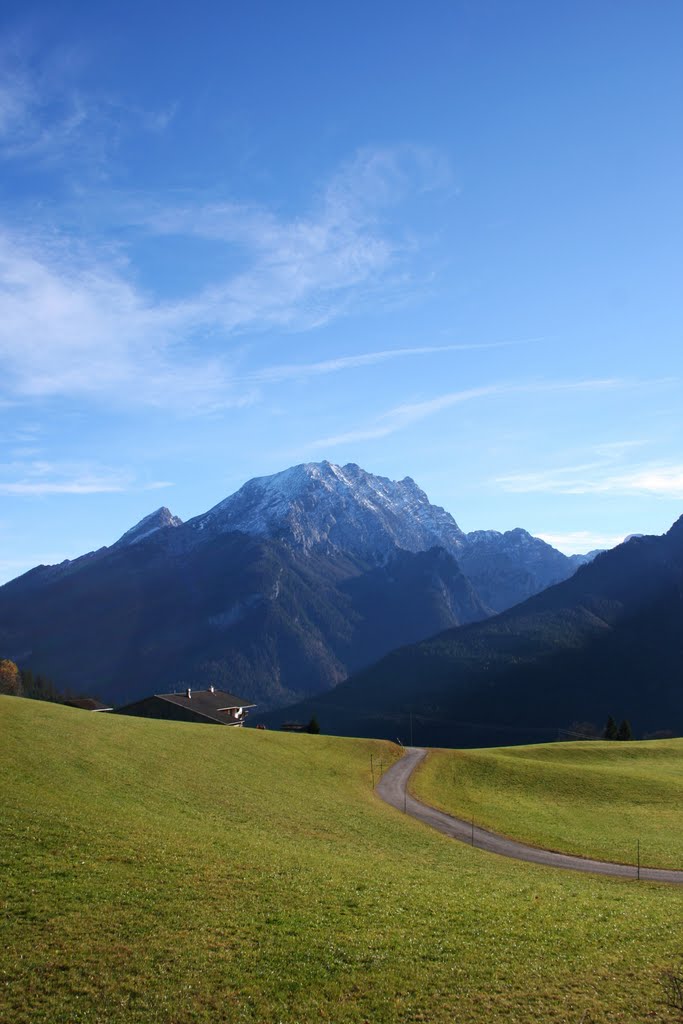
(88, 704)
(206, 703)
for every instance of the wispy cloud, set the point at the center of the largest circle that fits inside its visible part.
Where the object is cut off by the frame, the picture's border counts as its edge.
(303, 271)
(617, 449)
(74, 321)
(70, 327)
(373, 180)
(402, 416)
(87, 485)
(43, 478)
(41, 111)
(47, 119)
(648, 479)
(302, 371)
(607, 471)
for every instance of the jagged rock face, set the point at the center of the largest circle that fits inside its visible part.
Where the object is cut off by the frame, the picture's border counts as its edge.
(319, 506)
(323, 507)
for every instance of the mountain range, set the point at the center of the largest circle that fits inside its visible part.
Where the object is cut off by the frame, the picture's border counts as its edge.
(278, 592)
(607, 641)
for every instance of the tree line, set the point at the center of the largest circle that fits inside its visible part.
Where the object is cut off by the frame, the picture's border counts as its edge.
(18, 682)
(610, 731)
(613, 731)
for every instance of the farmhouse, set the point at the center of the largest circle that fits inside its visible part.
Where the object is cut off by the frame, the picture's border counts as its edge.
(87, 704)
(212, 706)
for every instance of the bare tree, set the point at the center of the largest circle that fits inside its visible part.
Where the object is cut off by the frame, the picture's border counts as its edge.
(672, 983)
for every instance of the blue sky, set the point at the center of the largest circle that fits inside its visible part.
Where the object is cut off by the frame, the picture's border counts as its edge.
(441, 241)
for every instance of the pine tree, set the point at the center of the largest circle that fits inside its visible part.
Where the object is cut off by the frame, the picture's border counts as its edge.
(313, 726)
(27, 681)
(611, 731)
(625, 732)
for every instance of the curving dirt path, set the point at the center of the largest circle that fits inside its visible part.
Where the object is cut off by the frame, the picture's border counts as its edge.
(392, 788)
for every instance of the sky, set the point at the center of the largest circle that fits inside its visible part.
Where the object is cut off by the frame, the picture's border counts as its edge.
(439, 240)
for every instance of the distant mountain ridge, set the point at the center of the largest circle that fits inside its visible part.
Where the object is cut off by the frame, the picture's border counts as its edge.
(281, 589)
(608, 640)
(323, 507)
(506, 568)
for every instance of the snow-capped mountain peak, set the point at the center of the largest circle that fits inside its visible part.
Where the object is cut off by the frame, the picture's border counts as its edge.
(321, 505)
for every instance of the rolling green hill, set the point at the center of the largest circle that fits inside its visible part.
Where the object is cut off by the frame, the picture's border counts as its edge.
(592, 799)
(156, 872)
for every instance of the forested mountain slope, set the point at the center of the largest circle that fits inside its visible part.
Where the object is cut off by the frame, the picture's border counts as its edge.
(607, 641)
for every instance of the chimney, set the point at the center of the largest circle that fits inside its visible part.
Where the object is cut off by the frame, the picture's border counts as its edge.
(188, 693)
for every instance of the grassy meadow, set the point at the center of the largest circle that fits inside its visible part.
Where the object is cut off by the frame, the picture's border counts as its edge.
(161, 872)
(595, 799)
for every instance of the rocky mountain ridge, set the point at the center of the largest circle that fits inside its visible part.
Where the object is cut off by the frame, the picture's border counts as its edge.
(279, 590)
(323, 507)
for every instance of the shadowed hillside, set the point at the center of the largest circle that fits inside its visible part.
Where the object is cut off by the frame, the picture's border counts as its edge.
(609, 640)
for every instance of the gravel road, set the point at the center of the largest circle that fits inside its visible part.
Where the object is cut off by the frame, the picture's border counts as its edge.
(393, 790)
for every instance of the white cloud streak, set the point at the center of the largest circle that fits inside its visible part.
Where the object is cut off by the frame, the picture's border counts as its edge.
(43, 478)
(47, 120)
(69, 328)
(41, 113)
(302, 371)
(87, 485)
(607, 470)
(660, 480)
(74, 322)
(402, 416)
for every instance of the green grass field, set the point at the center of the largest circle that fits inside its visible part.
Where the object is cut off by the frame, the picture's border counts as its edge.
(159, 872)
(595, 799)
